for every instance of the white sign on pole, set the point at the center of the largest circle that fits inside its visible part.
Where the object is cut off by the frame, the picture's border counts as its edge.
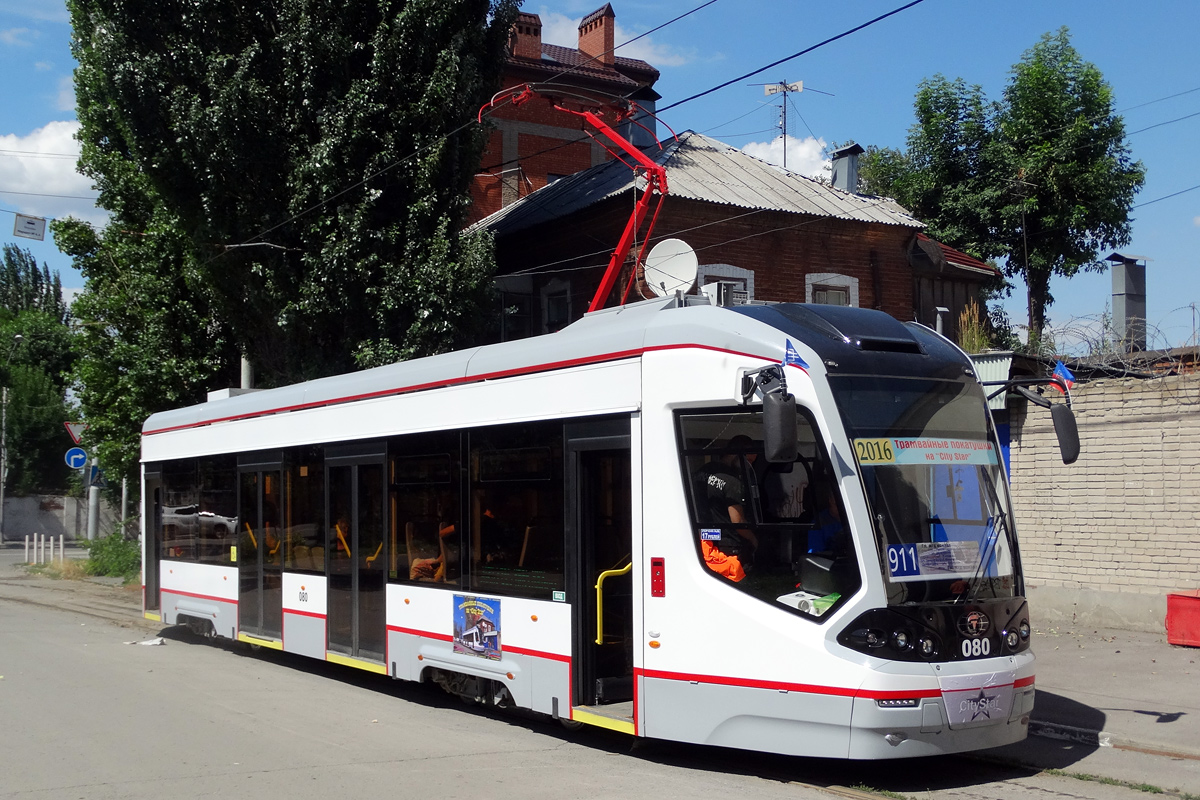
(30, 227)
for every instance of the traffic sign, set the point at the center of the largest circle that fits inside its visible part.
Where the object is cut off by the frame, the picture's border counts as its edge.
(97, 478)
(76, 457)
(75, 429)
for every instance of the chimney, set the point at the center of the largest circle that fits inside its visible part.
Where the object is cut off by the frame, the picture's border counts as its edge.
(597, 35)
(845, 167)
(1129, 300)
(527, 35)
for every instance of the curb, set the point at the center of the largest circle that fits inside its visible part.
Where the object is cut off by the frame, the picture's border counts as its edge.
(1093, 738)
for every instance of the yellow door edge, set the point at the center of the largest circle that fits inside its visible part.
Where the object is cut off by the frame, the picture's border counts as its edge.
(588, 718)
(271, 643)
(357, 663)
(154, 615)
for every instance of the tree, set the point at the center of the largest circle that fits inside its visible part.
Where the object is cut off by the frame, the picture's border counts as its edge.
(311, 161)
(1043, 179)
(38, 351)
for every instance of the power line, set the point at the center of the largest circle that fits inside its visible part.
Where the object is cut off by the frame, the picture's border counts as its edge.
(1167, 197)
(805, 51)
(40, 194)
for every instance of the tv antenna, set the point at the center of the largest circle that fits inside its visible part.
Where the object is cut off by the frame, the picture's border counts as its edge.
(783, 87)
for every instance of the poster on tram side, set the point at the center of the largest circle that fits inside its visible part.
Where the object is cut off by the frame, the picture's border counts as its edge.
(477, 626)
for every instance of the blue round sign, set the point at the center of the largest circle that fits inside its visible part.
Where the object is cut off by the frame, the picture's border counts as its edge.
(76, 457)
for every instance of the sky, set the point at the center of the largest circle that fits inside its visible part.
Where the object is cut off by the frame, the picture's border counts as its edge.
(866, 84)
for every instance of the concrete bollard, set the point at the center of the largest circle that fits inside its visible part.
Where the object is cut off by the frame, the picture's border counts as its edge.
(62, 550)
(27, 548)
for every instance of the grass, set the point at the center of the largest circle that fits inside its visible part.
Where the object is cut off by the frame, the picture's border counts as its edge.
(1140, 787)
(74, 569)
(881, 792)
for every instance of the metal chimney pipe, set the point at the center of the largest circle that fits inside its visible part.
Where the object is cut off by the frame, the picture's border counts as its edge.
(1129, 300)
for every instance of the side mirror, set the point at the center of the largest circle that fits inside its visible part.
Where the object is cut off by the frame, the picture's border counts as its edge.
(779, 428)
(1067, 432)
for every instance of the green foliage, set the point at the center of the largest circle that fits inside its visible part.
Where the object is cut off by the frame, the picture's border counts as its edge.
(308, 163)
(114, 555)
(146, 340)
(38, 352)
(25, 287)
(1043, 179)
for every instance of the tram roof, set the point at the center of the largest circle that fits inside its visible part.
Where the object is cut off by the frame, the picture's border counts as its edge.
(861, 340)
(606, 335)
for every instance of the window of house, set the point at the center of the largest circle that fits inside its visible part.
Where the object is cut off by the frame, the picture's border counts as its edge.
(831, 289)
(831, 295)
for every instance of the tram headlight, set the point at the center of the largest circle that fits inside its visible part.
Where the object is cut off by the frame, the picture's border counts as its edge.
(901, 640)
(1023, 629)
(1012, 639)
(927, 646)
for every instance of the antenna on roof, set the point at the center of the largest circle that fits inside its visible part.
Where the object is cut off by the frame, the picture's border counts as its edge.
(783, 87)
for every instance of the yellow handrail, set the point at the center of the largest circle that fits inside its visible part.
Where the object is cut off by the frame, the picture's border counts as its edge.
(608, 573)
(250, 531)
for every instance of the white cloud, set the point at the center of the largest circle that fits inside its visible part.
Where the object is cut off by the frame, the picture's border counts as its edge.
(562, 30)
(806, 156)
(18, 37)
(43, 66)
(42, 165)
(1196, 221)
(66, 94)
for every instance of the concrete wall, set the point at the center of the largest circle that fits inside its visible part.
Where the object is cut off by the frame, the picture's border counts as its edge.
(53, 516)
(1104, 540)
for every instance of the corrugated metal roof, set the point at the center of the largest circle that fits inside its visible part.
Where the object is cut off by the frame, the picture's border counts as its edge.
(700, 168)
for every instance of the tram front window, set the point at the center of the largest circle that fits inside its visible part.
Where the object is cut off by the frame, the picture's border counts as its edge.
(932, 475)
(775, 531)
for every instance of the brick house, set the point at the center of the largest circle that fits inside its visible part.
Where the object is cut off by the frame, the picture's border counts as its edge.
(534, 145)
(768, 234)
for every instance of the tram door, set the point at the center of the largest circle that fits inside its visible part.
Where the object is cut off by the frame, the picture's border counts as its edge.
(600, 524)
(152, 538)
(357, 561)
(260, 553)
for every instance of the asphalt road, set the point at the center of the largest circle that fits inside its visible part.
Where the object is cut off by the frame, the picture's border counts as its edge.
(85, 715)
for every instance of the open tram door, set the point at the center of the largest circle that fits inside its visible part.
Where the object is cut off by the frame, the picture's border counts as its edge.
(601, 583)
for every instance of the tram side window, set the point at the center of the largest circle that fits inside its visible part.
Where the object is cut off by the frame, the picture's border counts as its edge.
(515, 511)
(217, 520)
(425, 505)
(180, 514)
(304, 510)
(775, 531)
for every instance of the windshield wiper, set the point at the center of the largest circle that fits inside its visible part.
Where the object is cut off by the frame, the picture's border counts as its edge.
(996, 522)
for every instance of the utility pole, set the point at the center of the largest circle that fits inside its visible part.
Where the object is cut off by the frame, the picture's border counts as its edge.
(93, 523)
(3, 458)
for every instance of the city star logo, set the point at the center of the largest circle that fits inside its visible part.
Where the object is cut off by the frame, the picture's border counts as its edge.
(981, 706)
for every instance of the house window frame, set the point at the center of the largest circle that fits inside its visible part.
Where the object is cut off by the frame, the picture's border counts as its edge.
(832, 280)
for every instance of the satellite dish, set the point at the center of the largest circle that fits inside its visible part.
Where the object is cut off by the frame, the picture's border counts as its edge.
(671, 267)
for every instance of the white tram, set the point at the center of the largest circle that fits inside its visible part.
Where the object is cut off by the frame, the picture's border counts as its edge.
(537, 523)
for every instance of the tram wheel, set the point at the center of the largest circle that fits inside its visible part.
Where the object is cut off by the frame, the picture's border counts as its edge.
(570, 724)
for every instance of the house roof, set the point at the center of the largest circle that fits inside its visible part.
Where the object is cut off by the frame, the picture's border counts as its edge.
(957, 258)
(700, 168)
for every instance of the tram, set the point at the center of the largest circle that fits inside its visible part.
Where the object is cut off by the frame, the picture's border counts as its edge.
(783, 528)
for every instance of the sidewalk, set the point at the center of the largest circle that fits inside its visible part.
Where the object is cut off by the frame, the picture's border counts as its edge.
(1114, 703)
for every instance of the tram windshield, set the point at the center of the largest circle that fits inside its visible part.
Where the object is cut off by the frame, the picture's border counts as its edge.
(932, 475)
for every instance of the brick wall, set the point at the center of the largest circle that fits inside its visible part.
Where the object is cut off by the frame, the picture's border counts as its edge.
(1125, 518)
(780, 248)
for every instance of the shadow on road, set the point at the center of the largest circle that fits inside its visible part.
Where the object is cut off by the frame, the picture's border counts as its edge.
(909, 775)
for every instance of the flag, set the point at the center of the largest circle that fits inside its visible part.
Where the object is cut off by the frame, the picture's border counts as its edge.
(790, 356)
(1063, 374)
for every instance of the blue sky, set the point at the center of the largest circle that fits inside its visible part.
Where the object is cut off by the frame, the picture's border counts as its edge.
(1148, 56)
